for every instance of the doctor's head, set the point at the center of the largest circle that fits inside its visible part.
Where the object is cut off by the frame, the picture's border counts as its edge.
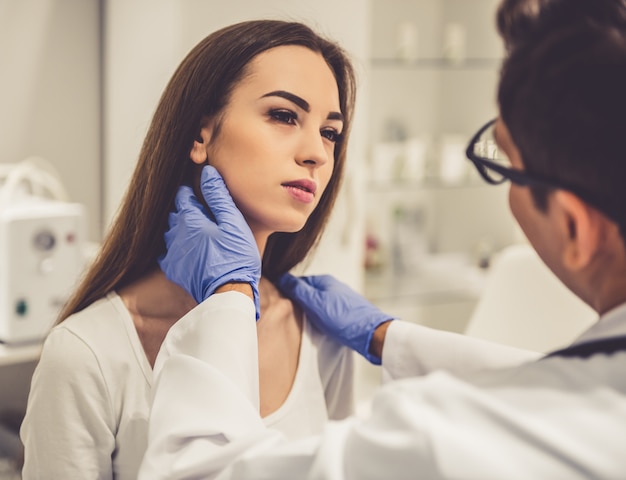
(562, 103)
(519, 21)
(269, 104)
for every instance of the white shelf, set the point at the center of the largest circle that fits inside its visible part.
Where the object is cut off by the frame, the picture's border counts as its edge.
(15, 354)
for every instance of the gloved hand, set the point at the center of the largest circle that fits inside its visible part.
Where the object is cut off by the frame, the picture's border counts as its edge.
(204, 254)
(336, 310)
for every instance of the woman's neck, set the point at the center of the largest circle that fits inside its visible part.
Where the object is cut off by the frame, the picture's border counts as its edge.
(155, 304)
(155, 296)
(268, 293)
(279, 332)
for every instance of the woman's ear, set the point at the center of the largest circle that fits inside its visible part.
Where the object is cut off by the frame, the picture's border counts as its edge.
(199, 150)
(583, 229)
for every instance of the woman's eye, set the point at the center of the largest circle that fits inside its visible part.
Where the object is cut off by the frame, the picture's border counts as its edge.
(284, 116)
(332, 135)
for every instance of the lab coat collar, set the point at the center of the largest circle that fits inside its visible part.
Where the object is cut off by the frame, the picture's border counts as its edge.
(611, 324)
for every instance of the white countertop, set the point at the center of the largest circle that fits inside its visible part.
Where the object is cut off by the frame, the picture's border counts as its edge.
(14, 354)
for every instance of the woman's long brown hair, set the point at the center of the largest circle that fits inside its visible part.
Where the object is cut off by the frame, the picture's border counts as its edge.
(201, 86)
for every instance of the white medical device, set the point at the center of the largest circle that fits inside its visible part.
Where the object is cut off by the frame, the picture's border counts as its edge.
(41, 250)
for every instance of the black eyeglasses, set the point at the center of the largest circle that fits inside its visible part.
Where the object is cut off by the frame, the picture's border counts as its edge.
(495, 168)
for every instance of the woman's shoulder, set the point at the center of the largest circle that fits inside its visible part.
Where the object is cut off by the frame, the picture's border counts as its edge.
(97, 326)
(105, 309)
(331, 355)
(322, 342)
(101, 336)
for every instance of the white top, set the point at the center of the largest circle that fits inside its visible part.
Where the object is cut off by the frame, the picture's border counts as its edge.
(90, 395)
(552, 418)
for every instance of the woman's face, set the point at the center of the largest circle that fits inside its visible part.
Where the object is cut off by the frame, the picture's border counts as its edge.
(276, 139)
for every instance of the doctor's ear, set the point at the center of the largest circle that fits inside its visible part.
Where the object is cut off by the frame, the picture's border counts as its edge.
(199, 150)
(584, 230)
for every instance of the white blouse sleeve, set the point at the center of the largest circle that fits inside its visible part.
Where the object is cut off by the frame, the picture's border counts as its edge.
(68, 431)
(411, 350)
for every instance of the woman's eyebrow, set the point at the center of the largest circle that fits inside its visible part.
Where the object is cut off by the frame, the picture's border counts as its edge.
(301, 102)
(335, 116)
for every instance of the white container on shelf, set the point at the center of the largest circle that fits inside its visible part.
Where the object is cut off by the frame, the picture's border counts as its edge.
(452, 162)
(406, 42)
(454, 42)
(415, 154)
(386, 161)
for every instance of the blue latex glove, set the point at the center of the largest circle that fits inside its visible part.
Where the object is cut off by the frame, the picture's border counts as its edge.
(204, 254)
(336, 310)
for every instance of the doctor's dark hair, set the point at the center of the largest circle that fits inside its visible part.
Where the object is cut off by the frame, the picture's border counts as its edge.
(200, 88)
(519, 21)
(562, 98)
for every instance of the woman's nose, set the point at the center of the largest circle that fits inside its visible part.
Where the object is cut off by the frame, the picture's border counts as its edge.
(313, 150)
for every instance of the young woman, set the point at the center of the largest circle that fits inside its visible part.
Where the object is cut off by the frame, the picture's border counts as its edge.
(269, 105)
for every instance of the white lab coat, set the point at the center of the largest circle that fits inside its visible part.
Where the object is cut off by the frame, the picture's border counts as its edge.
(554, 418)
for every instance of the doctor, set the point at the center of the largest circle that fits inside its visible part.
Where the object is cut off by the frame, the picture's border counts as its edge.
(458, 407)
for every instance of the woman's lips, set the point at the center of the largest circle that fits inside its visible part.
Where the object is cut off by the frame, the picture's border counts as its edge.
(301, 190)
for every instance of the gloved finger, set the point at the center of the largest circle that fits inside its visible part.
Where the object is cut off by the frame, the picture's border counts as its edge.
(188, 216)
(185, 200)
(287, 282)
(296, 288)
(323, 283)
(218, 198)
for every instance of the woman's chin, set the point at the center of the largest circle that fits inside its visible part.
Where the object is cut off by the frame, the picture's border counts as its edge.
(292, 228)
(283, 225)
